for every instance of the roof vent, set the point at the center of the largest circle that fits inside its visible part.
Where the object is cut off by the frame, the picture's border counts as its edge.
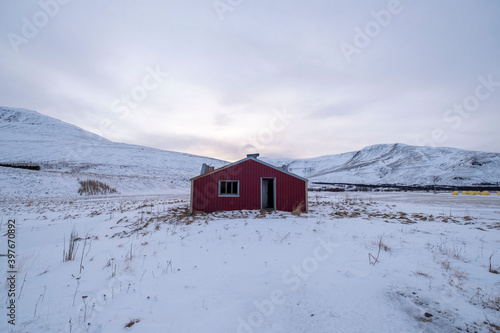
(206, 169)
(253, 155)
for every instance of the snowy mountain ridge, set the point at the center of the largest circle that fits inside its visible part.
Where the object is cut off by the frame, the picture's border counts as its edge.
(67, 153)
(400, 164)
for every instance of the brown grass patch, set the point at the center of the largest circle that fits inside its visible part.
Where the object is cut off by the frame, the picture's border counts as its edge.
(94, 187)
(132, 322)
(299, 209)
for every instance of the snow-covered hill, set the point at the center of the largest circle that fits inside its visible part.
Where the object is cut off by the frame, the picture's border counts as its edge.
(400, 164)
(67, 153)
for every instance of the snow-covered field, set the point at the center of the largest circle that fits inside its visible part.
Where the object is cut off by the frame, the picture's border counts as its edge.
(357, 262)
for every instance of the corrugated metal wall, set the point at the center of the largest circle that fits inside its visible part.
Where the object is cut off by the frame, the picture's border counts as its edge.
(290, 191)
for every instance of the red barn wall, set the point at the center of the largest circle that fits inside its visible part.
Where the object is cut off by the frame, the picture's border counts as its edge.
(290, 191)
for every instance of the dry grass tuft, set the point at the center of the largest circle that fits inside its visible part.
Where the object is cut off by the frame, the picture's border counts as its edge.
(491, 270)
(445, 264)
(299, 209)
(419, 273)
(94, 187)
(72, 246)
(384, 246)
(381, 246)
(460, 275)
(132, 322)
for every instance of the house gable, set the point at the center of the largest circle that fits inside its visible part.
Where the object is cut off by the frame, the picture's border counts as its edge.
(253, 159)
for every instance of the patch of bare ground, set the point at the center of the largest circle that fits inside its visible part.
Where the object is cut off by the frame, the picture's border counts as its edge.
(352, 208)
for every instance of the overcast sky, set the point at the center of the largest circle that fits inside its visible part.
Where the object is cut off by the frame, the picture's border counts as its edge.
(283, 78)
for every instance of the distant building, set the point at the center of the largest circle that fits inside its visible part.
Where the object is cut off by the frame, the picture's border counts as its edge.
(248, 184)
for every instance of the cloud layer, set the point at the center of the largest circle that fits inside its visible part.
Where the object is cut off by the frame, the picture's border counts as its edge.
(213, 77)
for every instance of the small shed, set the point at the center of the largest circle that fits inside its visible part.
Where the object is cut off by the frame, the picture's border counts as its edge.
(248, 184)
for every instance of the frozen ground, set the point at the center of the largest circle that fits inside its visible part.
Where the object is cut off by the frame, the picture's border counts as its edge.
(142, 262)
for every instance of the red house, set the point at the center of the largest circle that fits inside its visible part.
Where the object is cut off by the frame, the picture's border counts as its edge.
(248, 184)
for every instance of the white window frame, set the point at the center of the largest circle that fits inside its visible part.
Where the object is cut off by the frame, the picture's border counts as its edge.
(229, 195)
